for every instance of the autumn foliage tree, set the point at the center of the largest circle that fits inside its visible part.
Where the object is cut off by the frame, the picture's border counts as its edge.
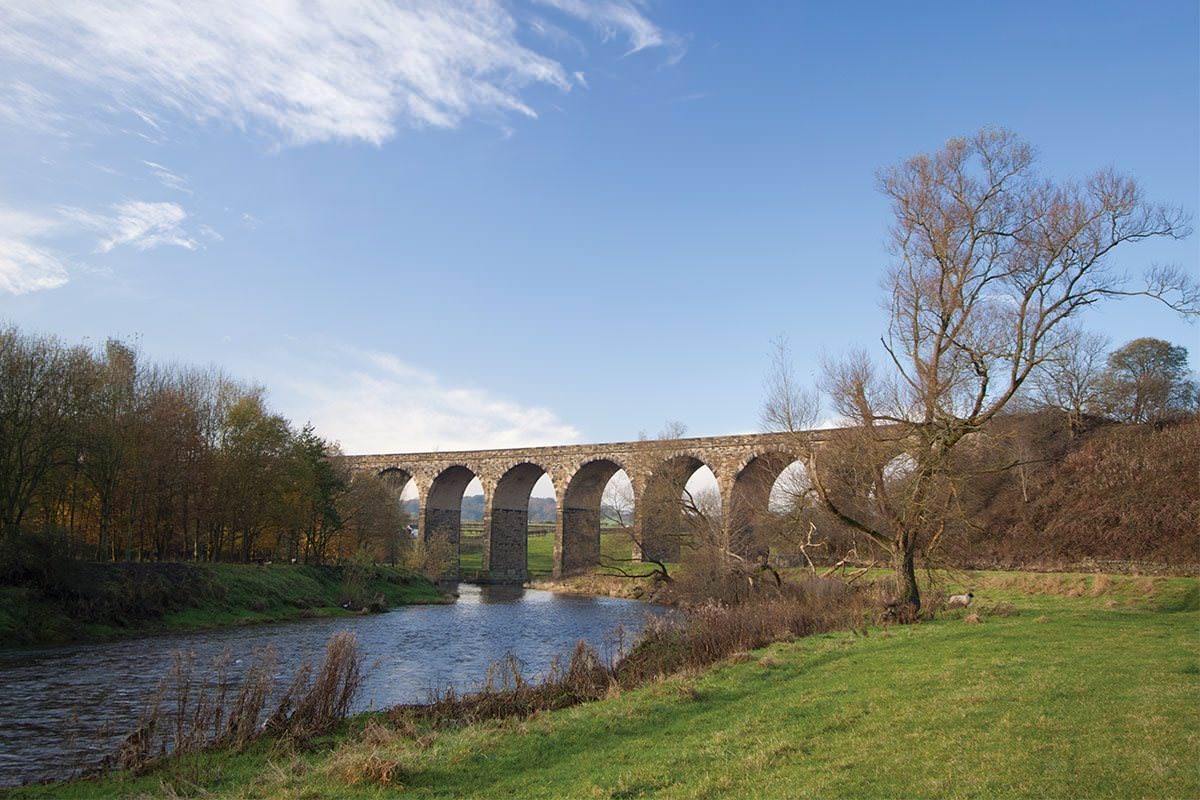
(103, 455)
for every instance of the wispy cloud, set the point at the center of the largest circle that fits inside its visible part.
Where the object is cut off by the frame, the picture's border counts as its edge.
(613, 18)
(29, 254)
(312, 71)
(147, 117)
(556, 35)
(137, 223)
(168, 178)
(26, 265)
(24, 106)
(372, 402)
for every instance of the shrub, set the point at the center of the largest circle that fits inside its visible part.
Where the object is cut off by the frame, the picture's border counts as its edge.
(708, 633)
(505, 692)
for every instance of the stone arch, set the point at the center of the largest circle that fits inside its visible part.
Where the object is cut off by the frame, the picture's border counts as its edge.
(443, 508)
(397, 473)
(399, 479)
(577, 546)
(506, 543)
(659, 524)
(749, 501)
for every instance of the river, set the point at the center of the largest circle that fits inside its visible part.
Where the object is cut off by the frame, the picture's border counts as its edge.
(64, 708)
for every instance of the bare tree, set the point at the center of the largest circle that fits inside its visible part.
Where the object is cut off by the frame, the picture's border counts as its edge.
(991, 262)
(619, 504)
(661, 509)
(1070, 378)
(671, 429)
(679, 523)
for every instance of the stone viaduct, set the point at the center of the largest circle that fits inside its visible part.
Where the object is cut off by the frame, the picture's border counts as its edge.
(745, 468)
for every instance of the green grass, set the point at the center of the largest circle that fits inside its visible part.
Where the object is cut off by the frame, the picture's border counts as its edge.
(1086, 695)
(92, 601)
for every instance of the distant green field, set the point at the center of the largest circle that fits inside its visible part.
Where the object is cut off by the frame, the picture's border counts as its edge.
(613, 544)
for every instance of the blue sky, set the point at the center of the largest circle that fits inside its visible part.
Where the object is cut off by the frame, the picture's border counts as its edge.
(443, 225)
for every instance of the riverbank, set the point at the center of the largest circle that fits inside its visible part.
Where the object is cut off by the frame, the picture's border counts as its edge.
(76, 601)
(1081, 686)
(601, 584)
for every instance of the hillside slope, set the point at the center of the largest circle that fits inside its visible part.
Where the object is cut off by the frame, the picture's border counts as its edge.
(1117, 493)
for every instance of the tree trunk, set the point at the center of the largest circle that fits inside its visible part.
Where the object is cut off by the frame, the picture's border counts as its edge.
(103, 545)
(907, 593)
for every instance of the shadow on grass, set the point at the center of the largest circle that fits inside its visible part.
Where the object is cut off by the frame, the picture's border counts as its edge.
(1186, 600)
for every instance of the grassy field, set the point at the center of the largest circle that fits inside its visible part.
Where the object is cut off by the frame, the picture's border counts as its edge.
(541, 548)
(89, 601)
(1088, 687)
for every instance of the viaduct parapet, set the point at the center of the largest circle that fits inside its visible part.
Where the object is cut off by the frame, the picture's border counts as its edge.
(745, 468)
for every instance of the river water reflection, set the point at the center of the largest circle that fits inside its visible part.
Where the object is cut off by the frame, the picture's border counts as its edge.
(62, 708)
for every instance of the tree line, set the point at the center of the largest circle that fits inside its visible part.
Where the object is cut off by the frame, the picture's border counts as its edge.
(106, 456)
(1145, 380)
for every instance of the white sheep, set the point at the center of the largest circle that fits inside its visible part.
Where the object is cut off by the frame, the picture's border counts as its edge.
(960, 600)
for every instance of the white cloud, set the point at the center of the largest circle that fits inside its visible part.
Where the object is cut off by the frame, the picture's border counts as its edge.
(27, 265)
(137, 223)
(24, 265)
(556, 36)
(167, 178)
(23, 224)
(147, 117)
(616, 17)
(372, 402)
(24, 106)
(313, 71)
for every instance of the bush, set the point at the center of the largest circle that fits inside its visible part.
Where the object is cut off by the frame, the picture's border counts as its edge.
(433, 559)
(708, 633)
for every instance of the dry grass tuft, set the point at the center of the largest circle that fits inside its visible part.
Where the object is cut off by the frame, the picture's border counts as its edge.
(505, 692)
(768, 662)
(307, 710)
(999, 610)
(185, 715)
(972, 619)
(370, 765)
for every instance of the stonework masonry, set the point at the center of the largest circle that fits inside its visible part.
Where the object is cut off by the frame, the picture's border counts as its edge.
(744, 466)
